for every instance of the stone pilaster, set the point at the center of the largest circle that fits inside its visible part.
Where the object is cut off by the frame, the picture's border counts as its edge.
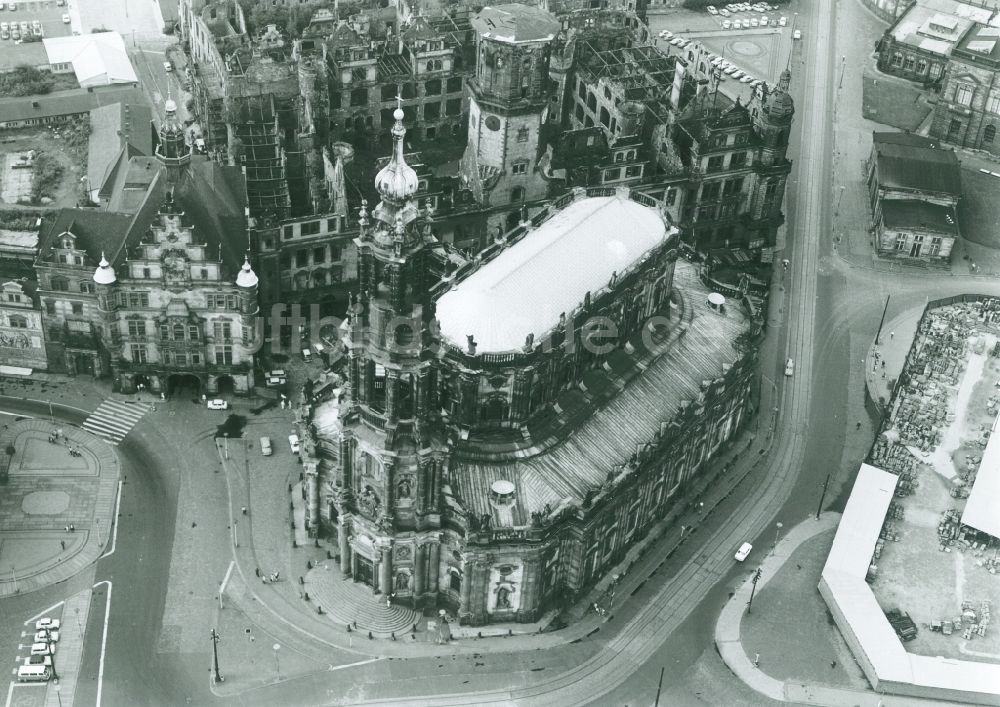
(345, 548)
(434, 567)
(391, 393)
(419, 567)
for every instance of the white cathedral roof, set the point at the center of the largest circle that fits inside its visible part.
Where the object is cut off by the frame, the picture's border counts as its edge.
(524, 289)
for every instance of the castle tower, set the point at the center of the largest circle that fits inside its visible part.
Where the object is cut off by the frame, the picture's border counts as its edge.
(771, 113)
(392, 457)
(773, 119)
(509, 103)
(172, 151)
(105, 281)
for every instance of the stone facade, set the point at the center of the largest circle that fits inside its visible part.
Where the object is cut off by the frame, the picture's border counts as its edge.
(22, 337)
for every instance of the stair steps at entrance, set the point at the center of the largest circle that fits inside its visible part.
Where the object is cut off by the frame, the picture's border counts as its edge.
(345, 601)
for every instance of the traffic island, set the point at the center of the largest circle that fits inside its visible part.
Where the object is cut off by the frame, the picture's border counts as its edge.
(57, 505)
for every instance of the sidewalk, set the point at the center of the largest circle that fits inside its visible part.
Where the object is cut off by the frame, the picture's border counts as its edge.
(729, 638)
(885, 359)
(69, 650)
(48, 492)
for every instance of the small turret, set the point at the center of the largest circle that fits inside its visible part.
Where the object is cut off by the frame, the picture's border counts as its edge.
(105, 274)
(246, 277)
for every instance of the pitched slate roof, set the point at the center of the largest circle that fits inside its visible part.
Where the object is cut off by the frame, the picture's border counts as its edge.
(904, 163)
(78, 100)
(96, 231)
(911, 213)
(112, 129)
(610, 436)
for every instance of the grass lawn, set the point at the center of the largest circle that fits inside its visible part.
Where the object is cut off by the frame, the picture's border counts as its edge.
(892, 102)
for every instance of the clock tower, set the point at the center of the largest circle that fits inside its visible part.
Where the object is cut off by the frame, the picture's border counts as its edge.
(509, 104)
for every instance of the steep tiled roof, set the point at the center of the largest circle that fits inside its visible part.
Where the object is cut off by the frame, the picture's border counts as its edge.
(96, 231)
(905, 164)
(611, 435)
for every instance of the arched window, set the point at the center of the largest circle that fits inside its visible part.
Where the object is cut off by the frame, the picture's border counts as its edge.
(989, 134)
(178, 332)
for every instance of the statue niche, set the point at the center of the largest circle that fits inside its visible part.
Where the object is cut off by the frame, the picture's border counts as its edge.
(369, 502)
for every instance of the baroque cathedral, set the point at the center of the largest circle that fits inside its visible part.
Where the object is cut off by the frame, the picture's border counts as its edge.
(509, 426)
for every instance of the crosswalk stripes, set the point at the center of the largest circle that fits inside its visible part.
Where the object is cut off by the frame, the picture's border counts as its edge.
(114, 419)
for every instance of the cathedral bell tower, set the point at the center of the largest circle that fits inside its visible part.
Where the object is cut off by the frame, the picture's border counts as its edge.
(392, 453)
(172, 151)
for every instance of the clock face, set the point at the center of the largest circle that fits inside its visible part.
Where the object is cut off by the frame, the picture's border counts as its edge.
(493, 122)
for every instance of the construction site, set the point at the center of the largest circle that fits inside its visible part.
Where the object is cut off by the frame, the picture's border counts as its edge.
(934, 567)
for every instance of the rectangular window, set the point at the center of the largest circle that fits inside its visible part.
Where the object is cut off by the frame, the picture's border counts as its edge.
(193, 332)
(138, 300)
(710, 191)
(519, 168)
(310, 228)
(993, 104)
(611, 175)
(963, 95)
(138, 353)
(136, 328)
(286, 232)
(147, 273)
(301, 258)
(204, 273)
(77, 307)
(224, 355)
(432, 111)
(223, 330)
(901, 241)
(453, 106)
(195, 359)
(432, 87)
(738, 160)
(634, 171)
(50, 308)
(671, 197)
(359, 97)
(935, 71)
(733, 186)
(454, 84)
(715, 163)
(909, 63)
(319, 255)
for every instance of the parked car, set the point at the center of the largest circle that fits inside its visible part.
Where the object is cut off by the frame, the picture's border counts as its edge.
(797, 34)
(730, 71)
(265, 446)
(742, 553)
(4, 34)
(25, 28)
(667, 34)
(737, 24)
(42, 648)
(66, 19)
(711, 10)
(725, 13)
(754, 22)
(15, 33)
(38, 660)
(218, 404)
(782, 21)
(764, 21)
(747, 78)
(737, 74)
(46, 636)
(168, 67)
(726, 24)
(789, 367)
(36, 26)
(46, 624)
(293, 442)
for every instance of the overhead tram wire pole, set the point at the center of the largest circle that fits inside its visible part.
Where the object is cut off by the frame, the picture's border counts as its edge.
(822, 496)
(215, 655)
(754, 579)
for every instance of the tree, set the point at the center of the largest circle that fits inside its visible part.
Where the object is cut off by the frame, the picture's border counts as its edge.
(26, 80)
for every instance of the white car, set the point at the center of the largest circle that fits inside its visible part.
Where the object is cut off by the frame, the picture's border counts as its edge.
(66, 19)
(46, 624)
(789, 367)
(738, 74)
(294, 443)
(747, 78)
(726, 24)
(764, 21)
(667, 34)
(711, 10)
(797, 34)
(737, 24)
(782, 21)
(38, 659)
(42, 648)
(730, 71)
(717, 60)
(46, 636)
(676, 41)
(725, 13)
(218, 404)
(683, 43)
(168, 67)
(742, 553)
(754, 83)
(754, 22)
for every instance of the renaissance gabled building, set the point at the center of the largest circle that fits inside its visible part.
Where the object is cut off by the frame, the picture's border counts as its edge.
(510, 426)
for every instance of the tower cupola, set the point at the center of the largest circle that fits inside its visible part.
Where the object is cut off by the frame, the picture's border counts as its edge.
(105, 274)
(397, 181)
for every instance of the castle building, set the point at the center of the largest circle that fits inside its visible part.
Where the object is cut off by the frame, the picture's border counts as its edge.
(156, 290)
(22, 339)
(486, 451)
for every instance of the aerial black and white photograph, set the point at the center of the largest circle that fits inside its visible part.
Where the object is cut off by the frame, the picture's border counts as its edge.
(553, 353)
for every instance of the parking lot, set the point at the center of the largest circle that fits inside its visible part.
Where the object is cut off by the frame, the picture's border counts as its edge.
(47, 12)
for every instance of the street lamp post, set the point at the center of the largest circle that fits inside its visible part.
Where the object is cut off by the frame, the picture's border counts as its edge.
(277, 666)
(822, 496)
(14, 578)
(98, 521)
(58, 696)
(753, 578)
(78, 624)
(843, 66)
(215, 638)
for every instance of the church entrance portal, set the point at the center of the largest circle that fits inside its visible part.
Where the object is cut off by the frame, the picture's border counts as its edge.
(365, 571)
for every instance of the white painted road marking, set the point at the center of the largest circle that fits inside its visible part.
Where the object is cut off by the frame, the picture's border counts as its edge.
(104, 641)
(52, 608)
(114, 536)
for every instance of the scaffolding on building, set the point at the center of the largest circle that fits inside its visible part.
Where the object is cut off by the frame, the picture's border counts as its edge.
(254, 124)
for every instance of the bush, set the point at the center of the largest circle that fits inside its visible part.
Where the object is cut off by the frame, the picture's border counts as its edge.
(26, 81)
(47, 175)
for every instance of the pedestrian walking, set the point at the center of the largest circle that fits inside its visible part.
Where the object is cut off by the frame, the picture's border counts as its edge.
(244, 510)
(63, 543)
(891, 335)
(756, 659)
(66, 528)
(858, 426)
(833, 664)
(258, 571)
(72, 528)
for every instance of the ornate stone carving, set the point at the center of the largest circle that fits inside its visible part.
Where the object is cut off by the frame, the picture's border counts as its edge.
(369, 502)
